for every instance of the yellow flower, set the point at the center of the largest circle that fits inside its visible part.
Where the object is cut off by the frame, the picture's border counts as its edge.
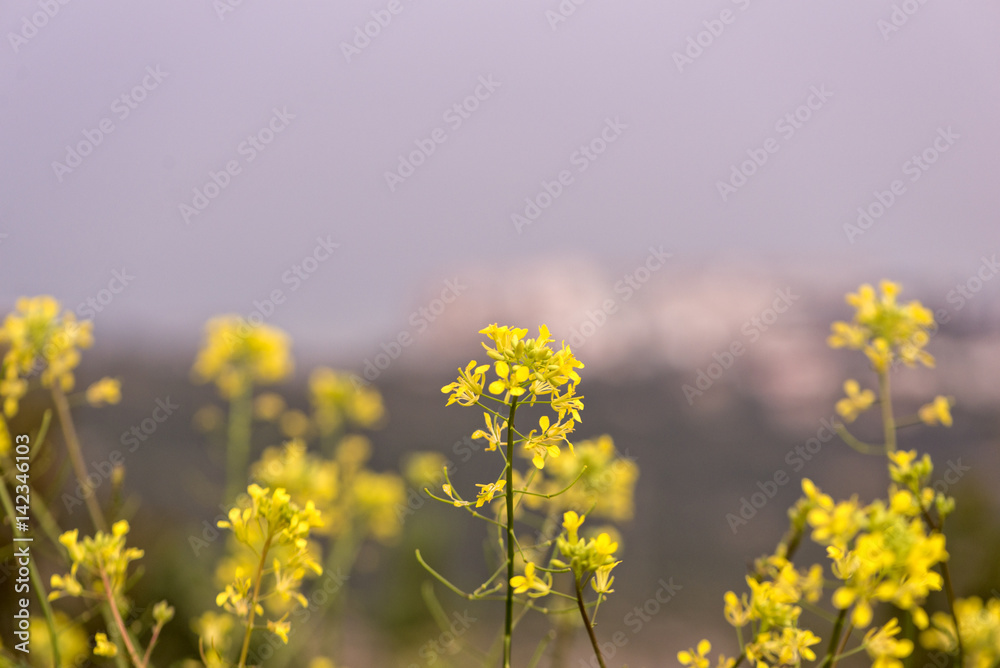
(38, 337)
(884, 648)
(737, 611)
(696, 658)
(487, 491)
(529, 583)
(855, 402)
(885, 329)
(572, 523)
(469, 387)
(280, 628)
(71, 640)
(104, 391)
(603, 579)
(104, 647)
(510, 379)
(268, 406)
(936, 412)
(337, 397)
(237, 355)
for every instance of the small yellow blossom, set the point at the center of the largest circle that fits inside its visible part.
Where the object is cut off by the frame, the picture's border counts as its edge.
(534, 586)
(696, 657)
(936, 412)
(856, 401)
(104, 391)
(104, 647)
(885, 650)
(487, 491)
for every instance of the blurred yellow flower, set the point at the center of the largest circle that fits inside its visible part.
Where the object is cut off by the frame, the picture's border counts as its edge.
(856, 401)
(237, 355)
(105, 391)
(936, 412)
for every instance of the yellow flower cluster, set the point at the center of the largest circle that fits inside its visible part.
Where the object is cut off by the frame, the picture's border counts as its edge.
(276, 556)
(71, 641)
(772, 608)
(884, 648)
(104, 391)
(884, 329)
(581, 555)
(104, 559)
(38, 337)
(698, 657)
(606, 486)
(879, 552)
(336, 399)
(237, 355)
(528, 371)
(349, 496)
(979, 624)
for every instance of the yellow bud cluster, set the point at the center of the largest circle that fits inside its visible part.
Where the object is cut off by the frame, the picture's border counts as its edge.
(38, 337)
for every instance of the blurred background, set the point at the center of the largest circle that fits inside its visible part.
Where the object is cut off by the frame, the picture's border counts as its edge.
(682, 192)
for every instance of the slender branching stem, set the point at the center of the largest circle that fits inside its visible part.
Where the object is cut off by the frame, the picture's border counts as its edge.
(831, 648)
(253, 601)
(109, 593)
(76, 457)
(509, 493)
(586, 622)
(888, 420)
(238, 441)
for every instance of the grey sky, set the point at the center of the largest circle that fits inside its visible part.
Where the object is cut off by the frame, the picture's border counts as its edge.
(345, 121)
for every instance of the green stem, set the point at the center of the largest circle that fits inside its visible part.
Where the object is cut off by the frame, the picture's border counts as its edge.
(949, 591)
(843, 645)
(509, 493)
(253, 601)
(831, 648)
(109, 593)
(587, 624)
(76, 457)
(888, 420)
(238, 445)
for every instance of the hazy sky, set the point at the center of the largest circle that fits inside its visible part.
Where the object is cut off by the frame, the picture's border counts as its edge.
(113, 115)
